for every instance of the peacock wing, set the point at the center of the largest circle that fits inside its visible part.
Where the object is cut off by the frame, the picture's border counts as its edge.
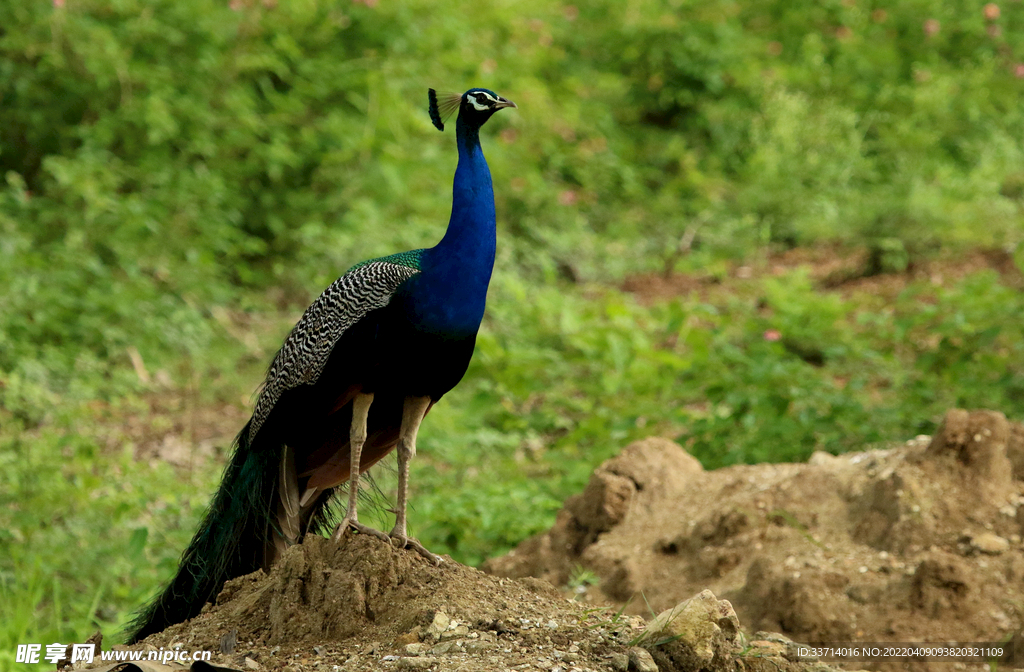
(300, 361)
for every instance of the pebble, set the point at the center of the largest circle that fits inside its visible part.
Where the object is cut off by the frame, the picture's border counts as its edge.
(988, 542)
(419, 663)
(415, 648)
(620, 662)
(641, 660)
(251, 664)
(453, 633)
(439, 624)
(443, 647)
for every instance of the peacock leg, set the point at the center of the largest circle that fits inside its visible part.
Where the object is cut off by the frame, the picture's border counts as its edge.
(412, 415)
(357, 437)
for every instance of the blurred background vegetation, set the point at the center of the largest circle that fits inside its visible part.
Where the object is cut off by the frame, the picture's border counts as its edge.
(181, 177)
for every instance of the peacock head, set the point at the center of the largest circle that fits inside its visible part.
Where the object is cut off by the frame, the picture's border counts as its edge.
(475, 106)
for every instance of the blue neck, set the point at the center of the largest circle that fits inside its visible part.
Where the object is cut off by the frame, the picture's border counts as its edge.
(451, 290)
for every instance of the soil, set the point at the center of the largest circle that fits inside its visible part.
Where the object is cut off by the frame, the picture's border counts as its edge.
(363, 605)
(918, 543)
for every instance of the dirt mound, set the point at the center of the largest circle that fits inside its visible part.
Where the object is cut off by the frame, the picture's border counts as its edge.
(917, 543)
(363, 605)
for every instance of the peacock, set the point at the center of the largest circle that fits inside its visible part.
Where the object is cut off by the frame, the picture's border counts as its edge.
(353, 380)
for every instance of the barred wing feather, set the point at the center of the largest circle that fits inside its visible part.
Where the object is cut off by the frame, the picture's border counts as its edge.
(364, 288)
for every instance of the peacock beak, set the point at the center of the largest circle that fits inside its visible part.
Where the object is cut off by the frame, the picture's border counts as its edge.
(502, 102)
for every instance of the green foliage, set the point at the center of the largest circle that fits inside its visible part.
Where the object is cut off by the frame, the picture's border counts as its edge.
(88, 532)
(179, 178)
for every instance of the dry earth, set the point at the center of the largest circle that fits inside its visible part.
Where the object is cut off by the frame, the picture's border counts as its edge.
(363, 605)
(921, 542)
(917, 543)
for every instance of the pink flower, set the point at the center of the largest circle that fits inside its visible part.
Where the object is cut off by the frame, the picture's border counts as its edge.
(772, 335)
(991, 11)
(567, 197)
(58, 3)
(931, 27)
(1018, 71)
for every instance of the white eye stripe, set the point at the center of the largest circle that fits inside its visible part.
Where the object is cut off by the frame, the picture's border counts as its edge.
(476, 95)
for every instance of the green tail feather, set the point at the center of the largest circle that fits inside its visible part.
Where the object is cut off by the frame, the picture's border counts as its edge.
(230, 542)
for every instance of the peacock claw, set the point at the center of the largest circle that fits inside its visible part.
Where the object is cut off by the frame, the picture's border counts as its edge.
(349, 524)
(403, 541)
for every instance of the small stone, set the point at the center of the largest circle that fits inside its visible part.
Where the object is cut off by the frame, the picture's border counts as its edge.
(641, 660)
(620, 662)
(419, 663)
(479, 646)
(251, 664)
(454, 633)
(440, 622)
(552, 624)
(318, 650)
(988, 542)
(414, 649)
(442, 648)
(438, 626)
(695, 631)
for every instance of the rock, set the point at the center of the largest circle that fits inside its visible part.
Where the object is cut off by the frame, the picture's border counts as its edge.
(640, 660)
(695, 634)
(438, 625)
(443, 648)
(456, 632)
(419, 663)
(990, 543)
(620, 662)
(414, 649)
(251, 664)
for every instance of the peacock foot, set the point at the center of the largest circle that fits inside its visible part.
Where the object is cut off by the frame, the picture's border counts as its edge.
(401, 540)
(348, 524)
